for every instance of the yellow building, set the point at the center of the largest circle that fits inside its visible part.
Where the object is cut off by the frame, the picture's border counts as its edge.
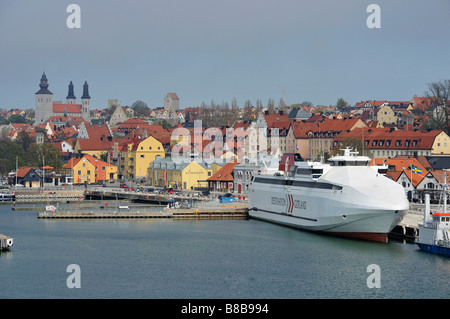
(90, 169)
(192, 175)
(441, 144)
(137, 154)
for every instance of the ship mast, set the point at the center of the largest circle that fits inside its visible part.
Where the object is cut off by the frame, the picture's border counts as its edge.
(444, 186)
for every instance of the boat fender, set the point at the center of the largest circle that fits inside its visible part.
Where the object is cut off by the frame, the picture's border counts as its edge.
(9, 242)
(440, 242)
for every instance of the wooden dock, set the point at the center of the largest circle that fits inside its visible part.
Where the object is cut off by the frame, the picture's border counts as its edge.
(5, 242)
(217, 213)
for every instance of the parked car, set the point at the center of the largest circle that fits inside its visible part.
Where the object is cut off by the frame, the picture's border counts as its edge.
(206, 193)
(130, 189)
(226, 195)
(123, 185)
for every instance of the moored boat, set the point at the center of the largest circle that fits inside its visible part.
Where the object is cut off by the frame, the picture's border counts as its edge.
(434, 231)
(344, 197)
(7, 197)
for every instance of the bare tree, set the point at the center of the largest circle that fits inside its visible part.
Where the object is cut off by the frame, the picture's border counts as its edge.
(270, 105)
(140, 108)
(438, 95)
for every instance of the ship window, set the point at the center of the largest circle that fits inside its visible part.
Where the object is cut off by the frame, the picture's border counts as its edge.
(303, 171)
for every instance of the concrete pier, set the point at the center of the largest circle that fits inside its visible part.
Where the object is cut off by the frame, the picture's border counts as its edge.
(217, 213)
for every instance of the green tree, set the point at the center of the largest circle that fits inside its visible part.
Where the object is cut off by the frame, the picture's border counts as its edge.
(47, 154)
(342, 105)
(9, 151)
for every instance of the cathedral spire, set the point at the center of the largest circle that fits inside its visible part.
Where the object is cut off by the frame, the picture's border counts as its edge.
(70, 95)
(43, 85)
(85, 91)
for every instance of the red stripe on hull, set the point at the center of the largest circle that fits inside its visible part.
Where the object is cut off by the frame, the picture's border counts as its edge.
(378, 237)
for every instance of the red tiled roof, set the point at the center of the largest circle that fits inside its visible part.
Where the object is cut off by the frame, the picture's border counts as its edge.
(72, 162)
(69, 108)
(273, 118)
(398, 139)
(94, 144)
(225, 174)
(173, 96)
(21, 172)
(403, 163)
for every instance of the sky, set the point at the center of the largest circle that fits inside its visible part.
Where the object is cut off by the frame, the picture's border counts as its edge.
(203, 50)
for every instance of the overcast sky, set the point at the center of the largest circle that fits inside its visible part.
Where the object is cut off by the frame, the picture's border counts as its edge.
(218, 50)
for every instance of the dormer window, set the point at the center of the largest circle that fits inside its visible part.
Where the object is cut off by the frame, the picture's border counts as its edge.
(374, 143)
(398, 143)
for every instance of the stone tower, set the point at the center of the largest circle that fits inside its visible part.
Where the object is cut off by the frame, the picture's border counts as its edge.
(85, 103)
(44, 102)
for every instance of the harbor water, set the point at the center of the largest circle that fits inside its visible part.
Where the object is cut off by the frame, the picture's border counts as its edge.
(248, 259)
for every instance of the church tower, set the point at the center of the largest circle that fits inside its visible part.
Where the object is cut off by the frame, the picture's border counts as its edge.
(70, 99)
(44, 102)
(85, 103)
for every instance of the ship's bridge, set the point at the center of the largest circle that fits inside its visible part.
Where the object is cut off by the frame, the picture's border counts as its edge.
(349, 159)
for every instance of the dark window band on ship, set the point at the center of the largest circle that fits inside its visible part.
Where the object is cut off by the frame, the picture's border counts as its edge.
(307, 184)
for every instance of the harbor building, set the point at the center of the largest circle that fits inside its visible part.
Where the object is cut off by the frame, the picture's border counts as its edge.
(164, 172)
(90, 169)
(137, 154)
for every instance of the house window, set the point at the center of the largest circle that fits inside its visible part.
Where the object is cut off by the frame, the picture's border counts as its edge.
(388, 142)
(79, 172)
(407, 142)
(142, 156)
(89, 172)
(398, 143)
(374, 142)
(381, 143)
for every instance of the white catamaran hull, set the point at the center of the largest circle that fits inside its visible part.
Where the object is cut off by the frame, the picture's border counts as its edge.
(368, 209)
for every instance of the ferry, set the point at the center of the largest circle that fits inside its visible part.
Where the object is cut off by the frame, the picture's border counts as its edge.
(434, 231)
(344, 197)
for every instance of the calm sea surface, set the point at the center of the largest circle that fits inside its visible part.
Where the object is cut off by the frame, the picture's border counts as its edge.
(163, 258)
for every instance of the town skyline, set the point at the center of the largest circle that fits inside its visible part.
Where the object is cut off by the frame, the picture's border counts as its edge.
(317, 52)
